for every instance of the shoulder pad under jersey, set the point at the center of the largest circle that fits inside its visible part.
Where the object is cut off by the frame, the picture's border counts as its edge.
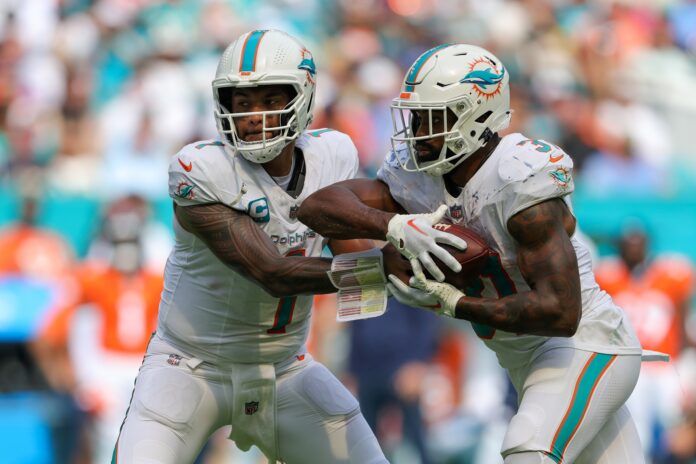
(204, 172)
(532, 171)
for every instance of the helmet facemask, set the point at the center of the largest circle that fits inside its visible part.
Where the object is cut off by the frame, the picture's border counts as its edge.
(469, 131)
(268, 147)
(465, 83)
(256, 59)
(416, 123)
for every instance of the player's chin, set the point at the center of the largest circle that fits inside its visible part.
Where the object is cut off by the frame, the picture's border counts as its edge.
(426, 155)
(255, 137)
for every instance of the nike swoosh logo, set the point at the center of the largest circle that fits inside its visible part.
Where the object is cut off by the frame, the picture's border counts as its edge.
(410, 223)
(554, 159)
(187, 167)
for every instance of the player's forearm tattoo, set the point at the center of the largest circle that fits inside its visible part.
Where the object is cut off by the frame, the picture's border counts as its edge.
(356, 221)
(239, 243)
(548, 263)
(339, 212)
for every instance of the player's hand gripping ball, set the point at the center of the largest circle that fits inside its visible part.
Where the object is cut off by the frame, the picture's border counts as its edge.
(473, 259)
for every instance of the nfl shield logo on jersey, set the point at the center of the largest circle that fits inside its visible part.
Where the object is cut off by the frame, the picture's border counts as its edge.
(251, 407)
(293, 211)
(455, 212)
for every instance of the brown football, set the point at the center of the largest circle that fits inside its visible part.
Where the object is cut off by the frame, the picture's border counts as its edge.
(473, 259)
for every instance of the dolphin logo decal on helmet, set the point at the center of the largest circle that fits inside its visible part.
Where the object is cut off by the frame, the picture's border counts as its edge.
(482, 78)
(307, 63)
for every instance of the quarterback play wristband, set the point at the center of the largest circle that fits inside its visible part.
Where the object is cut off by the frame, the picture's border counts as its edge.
(357, 269)
(361, 303)
(361, 285)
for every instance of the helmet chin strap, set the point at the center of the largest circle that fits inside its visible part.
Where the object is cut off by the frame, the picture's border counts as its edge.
(257, 155)
(269, 153)
(446, 166)
(263, 151)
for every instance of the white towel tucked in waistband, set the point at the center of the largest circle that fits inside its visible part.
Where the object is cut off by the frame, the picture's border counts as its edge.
(650, 356)
(254, 408)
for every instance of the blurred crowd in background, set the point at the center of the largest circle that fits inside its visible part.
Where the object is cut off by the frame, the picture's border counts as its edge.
(97, 95)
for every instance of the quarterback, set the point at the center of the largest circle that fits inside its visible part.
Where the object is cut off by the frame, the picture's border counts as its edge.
(235, 309)
(568, 349)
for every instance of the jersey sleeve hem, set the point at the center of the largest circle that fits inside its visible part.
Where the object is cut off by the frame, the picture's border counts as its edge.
(529, 204)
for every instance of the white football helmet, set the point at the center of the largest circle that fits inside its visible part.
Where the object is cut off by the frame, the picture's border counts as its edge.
(265, 57)
(469, 81)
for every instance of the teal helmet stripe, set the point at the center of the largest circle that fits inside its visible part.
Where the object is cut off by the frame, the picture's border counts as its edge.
(249, 51)
(418, 65)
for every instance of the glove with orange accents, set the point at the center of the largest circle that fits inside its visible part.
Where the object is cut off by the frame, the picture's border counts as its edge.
(411, 296)
(439, 297)
(416, 238)
(446, 295)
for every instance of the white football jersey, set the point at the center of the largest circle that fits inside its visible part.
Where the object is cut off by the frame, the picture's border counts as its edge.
(518, 174)
(207, 308)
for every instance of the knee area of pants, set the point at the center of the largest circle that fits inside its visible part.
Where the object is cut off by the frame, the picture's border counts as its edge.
(327, 393)
(522, 429)
(529, 457)
(366, 449)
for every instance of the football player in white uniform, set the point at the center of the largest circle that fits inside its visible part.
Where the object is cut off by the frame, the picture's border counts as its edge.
(235, 309)
(570, 352)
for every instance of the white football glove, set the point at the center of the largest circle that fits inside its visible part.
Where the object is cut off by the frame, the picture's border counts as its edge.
(411, 296)
(444, 294)
(414, 236)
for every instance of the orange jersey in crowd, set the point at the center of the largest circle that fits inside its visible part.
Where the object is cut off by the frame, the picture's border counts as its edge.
(654, 301)
(127, 305)
(33, 252)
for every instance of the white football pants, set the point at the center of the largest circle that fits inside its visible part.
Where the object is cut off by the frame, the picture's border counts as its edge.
(175, 408)
(572, 410)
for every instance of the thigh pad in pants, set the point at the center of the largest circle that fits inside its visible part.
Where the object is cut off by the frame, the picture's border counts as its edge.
(567, 397)
(319, 421)
(326, 392)
(169, 395)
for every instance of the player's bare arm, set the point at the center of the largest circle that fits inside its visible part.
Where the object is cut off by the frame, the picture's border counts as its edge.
(356, 208)
(548, 264)
(361, 208)
(338, 247)
(239, 243)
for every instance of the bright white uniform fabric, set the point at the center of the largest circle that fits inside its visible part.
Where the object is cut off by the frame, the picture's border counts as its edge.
(215, 318)
(180, 401)
(571, 408)
(208, 309)
(518, 174)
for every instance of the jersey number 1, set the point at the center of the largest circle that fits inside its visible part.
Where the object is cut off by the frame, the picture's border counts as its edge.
(286, 305)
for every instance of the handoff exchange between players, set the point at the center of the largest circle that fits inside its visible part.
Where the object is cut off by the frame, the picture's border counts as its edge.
(569, 350)
(235, 310)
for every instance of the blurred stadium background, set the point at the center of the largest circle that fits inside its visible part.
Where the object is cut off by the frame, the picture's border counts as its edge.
(95, 96)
